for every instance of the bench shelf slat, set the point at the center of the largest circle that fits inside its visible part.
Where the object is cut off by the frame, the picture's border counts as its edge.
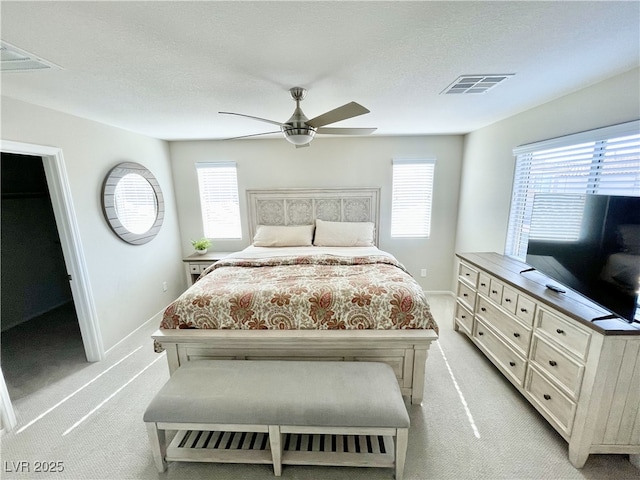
(225, 447)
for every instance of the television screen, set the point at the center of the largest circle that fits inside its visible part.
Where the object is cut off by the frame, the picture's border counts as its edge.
(591, 244)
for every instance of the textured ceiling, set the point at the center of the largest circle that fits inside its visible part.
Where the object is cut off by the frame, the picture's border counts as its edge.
(165, 69)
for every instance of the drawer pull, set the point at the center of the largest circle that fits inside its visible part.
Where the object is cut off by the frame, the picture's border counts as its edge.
(463, 316)
(523, 310)
(553, 363)
(465, 295)
(480, 333)
(559, 331)
(483, 284)
(513, 364)
(547, 396)
(516, 334)
(508, 300)
(494, 291)
(467, 274)
(483, 309)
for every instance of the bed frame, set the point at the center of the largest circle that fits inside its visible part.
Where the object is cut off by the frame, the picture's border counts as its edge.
(405, 350)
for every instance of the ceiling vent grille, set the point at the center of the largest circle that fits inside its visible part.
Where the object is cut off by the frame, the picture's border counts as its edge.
(14, 59)
(470, 84)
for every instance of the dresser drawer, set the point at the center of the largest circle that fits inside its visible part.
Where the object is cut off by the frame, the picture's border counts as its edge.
(468, 274)
(566, 371)
(495, 291)
(464, 317)
(466, 295)
(525, 310)
(551, 400)
(568, 335)
(512, 364)
(509, 299)
(516, 334)
(483, 283)
(195, 268)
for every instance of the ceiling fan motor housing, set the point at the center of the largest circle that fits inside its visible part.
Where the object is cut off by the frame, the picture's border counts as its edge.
(298, 136)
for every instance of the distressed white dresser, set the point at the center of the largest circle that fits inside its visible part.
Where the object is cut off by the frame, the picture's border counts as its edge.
(581, 374)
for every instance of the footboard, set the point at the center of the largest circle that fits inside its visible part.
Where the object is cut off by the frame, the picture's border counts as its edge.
(405, 350)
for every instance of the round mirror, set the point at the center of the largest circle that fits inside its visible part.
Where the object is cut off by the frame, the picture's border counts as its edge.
(132, 203)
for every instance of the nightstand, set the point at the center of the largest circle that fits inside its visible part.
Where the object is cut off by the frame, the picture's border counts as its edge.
(196, 263)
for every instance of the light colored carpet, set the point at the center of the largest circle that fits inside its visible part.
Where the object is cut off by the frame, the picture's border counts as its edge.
(513, 441)
(56, 353)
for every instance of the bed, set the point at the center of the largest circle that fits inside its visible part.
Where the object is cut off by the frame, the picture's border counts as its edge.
(313, 285)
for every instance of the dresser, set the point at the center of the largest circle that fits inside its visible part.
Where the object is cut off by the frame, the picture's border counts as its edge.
(196, 263)
(579, 370)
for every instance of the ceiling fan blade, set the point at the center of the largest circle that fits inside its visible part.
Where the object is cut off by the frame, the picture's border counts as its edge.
(348, 110)
(253, 135)
(250, 116)
(345, 131)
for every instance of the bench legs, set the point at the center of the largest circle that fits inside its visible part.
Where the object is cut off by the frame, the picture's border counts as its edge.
(402, 439)
(275, 441)
(158, 442)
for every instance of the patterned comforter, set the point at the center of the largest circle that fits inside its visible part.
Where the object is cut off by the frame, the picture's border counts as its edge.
(303, 292)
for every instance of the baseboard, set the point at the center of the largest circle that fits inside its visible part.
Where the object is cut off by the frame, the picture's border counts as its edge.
(37, 314)
(155, 318)
(439, 292)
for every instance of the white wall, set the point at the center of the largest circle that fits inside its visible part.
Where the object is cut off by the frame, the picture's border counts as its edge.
(332, 162)
(488, 166)
(126, 280)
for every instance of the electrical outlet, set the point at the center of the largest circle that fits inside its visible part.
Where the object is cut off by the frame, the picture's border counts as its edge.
(164, 286)
(423, 272)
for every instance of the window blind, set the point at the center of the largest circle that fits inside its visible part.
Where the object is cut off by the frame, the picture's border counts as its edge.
(556, 174)
(218, 184)
(412, 197)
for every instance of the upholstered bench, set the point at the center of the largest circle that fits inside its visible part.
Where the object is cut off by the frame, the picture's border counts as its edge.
(281, 412)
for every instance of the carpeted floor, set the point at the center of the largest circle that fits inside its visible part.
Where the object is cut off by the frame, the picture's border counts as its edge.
(473, 425)
(42, 351)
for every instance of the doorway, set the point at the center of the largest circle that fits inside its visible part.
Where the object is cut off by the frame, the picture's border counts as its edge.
(69, 239)
(41, 341)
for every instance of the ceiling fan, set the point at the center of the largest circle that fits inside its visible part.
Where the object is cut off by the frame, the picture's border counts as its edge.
(299, 130)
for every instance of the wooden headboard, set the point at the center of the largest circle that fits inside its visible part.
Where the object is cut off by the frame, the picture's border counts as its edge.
(301, 206)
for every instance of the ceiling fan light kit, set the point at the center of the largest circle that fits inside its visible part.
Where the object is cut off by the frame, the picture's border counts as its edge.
(299, 130)
(299, 136)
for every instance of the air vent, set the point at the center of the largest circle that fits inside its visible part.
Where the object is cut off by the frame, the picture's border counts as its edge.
(469, 84)
(14, 59)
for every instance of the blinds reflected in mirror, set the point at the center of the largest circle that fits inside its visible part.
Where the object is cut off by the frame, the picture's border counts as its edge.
(135, 203)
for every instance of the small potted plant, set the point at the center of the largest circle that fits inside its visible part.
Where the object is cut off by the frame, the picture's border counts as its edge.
(201, 245)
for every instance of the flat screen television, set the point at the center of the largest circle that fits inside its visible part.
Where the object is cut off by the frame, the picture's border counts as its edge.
(591, 244)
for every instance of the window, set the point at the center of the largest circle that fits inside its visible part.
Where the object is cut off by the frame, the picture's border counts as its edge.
(412, 197)
(555, 175)
(218, 183)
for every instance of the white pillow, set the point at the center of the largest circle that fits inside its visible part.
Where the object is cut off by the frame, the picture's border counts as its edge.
(283, 236)
(343, 234)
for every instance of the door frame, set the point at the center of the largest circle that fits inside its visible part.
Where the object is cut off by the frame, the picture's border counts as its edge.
(67, 224)
(7, 414)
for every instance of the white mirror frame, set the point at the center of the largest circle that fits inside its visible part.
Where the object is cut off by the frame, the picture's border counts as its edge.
(109, 207)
